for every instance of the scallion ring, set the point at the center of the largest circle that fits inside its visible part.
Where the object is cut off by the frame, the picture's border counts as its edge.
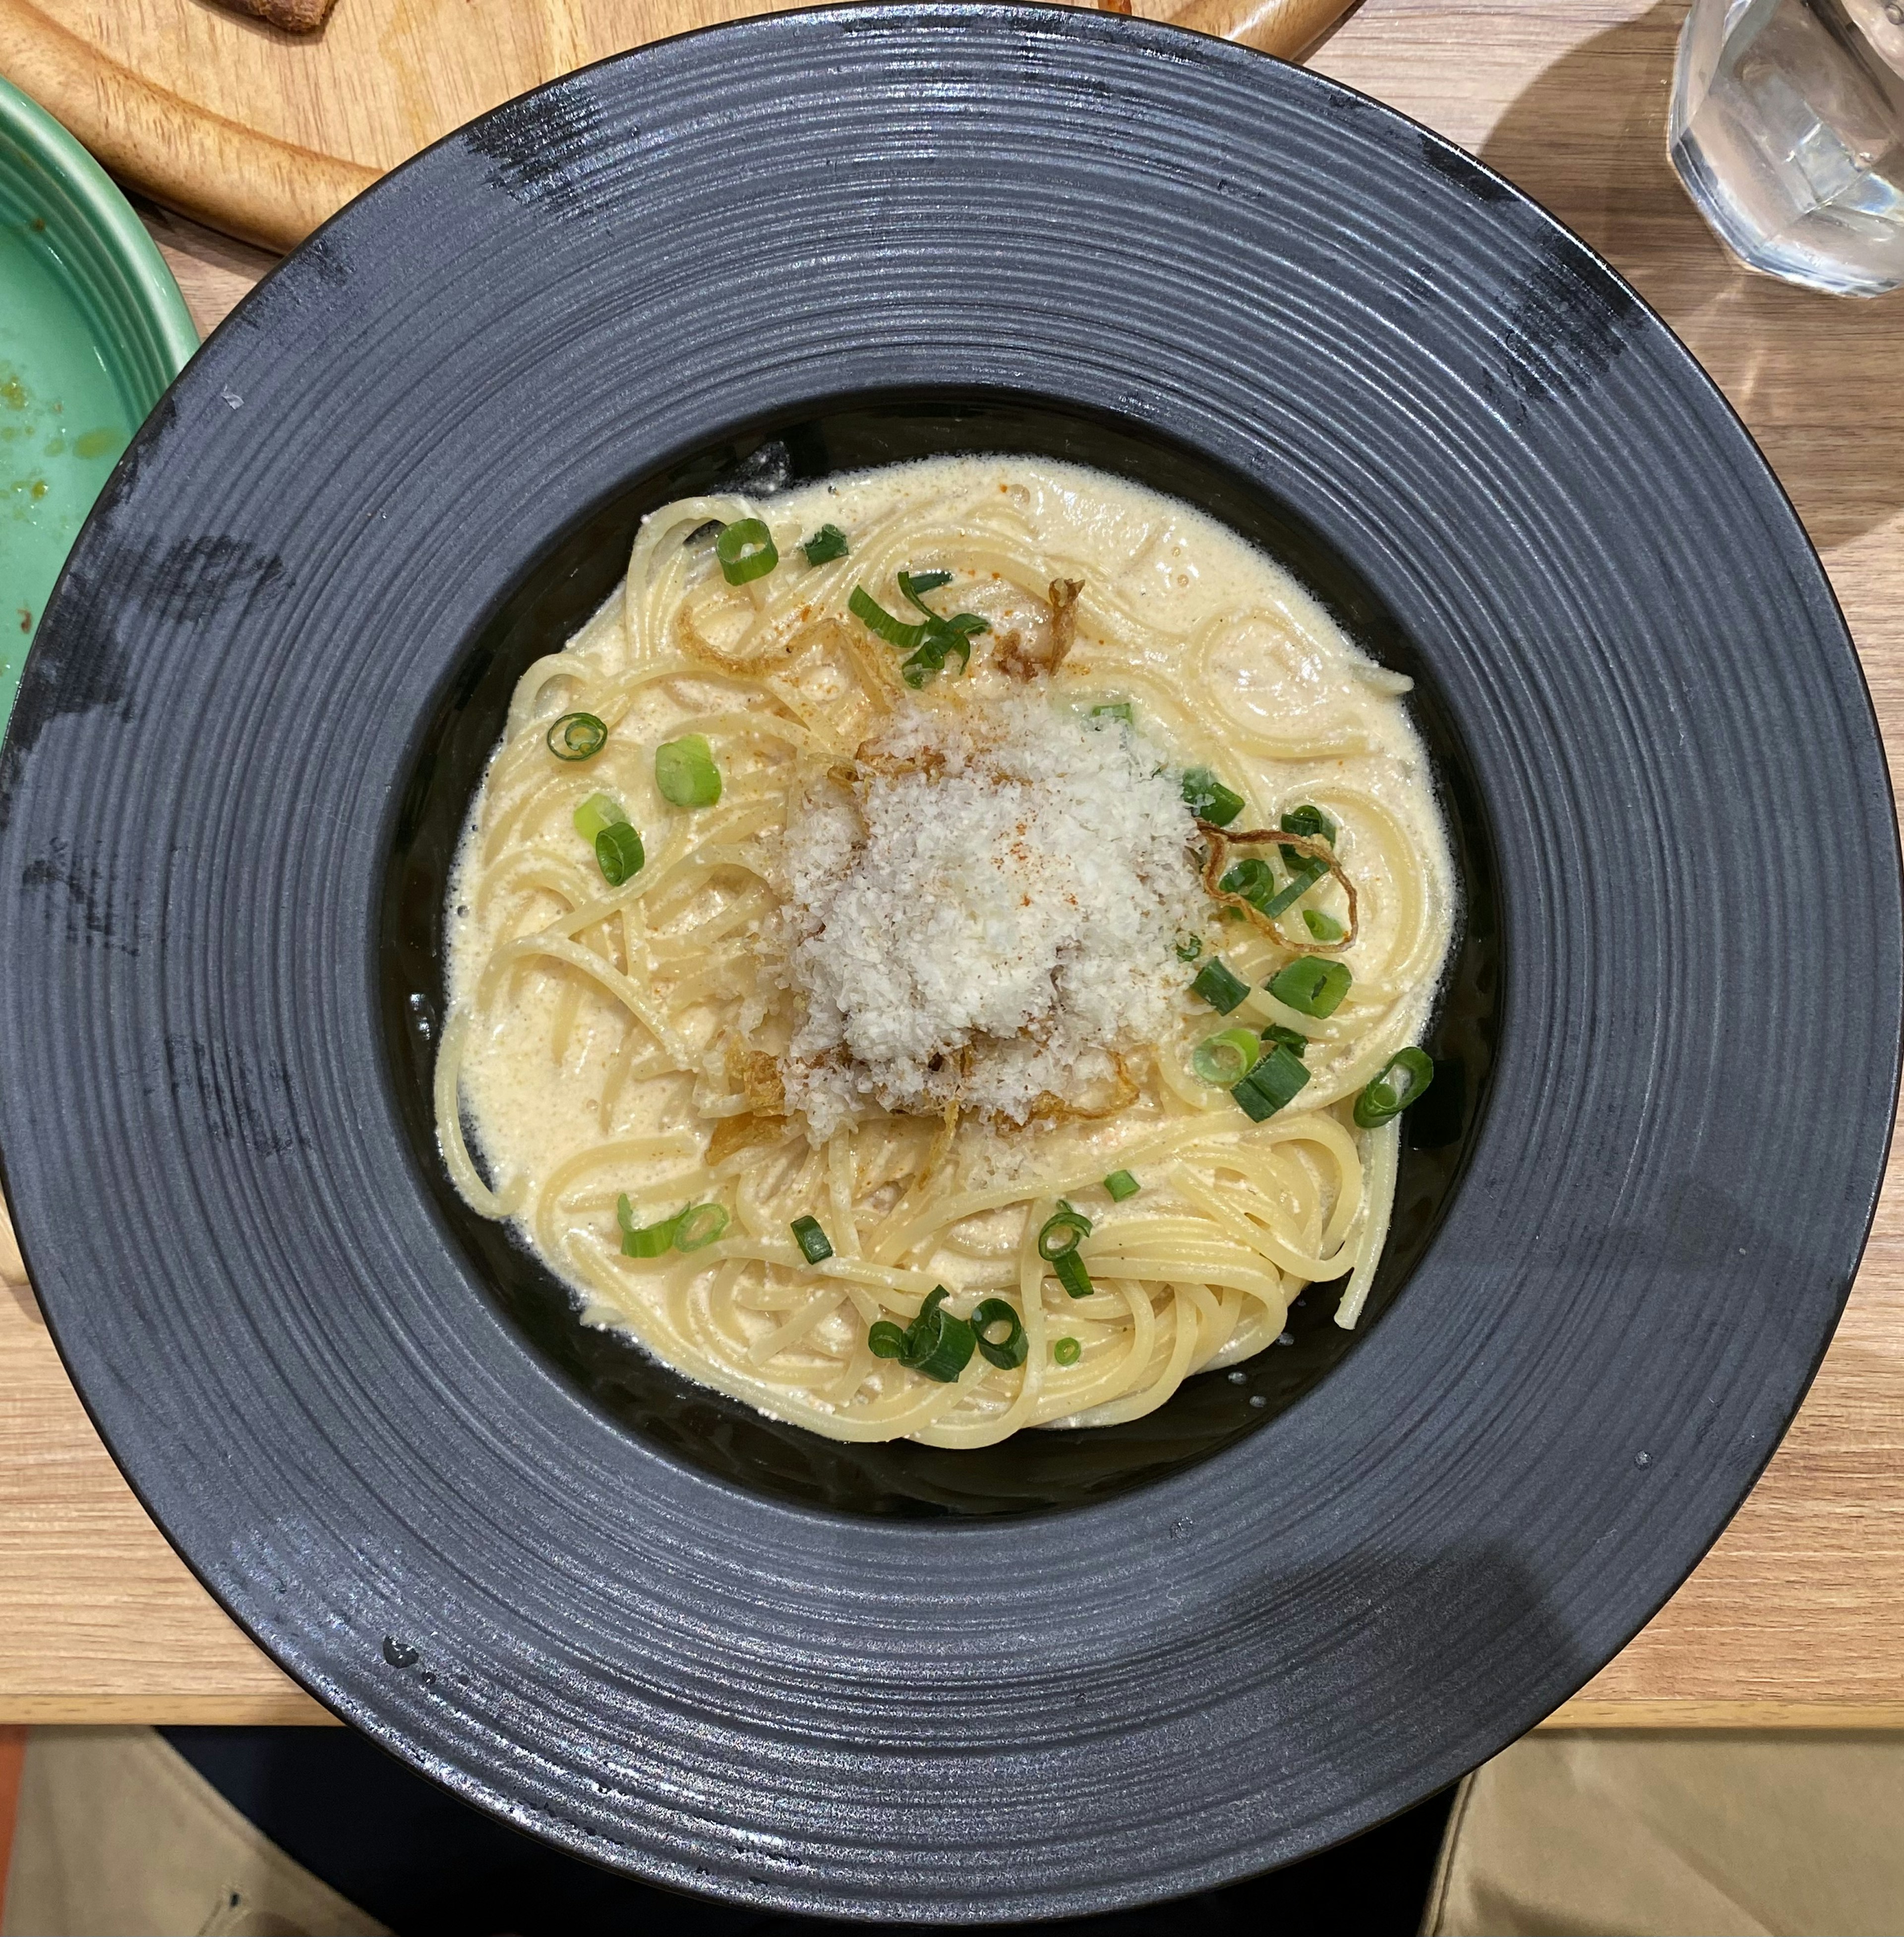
(937, 1345)
(684, 770)
(1069, 1272)
(644, 1240)
(1220, 986)
(1067, 1351)
(619, 853)
(1008, 1351)
(1273, 1083)
(1254, 879)
(815, 1246)
(1121, 1184)
(1227, 1057)
(746, 550)
(826, 544)
(598, 811)
(1402, 1081)
(1209, 799)
(1312, 824)
(577, 736)
(698, 1225)
(884, 1339)
(1062, 1233)
(1311, 986)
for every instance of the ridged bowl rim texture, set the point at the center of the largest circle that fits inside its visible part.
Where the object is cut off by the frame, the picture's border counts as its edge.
(999, 1719)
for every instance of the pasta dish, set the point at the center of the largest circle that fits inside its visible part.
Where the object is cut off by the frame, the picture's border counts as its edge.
(944, 950)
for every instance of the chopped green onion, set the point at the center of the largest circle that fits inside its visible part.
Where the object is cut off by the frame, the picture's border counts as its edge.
(577, 736)
(598, 811)
(914, 584)
(932, 640)
(1189, 948)
(1292, 1040)
(875, 618)
(1313, 825)
(1209, 799)
(1403, 1081)
(1004, 1353)
(1227, 1057)
(1298, 885)
(1070, 1272)
(815, 1247)
(700, 1224)
(1251, 878)
(1219, 987)
(1271, 1084)
(1324, 927)
(1067, 1351)
(1121, 1184)
(619, 853)
(685, 771)
(746, 550)
(931, 656)
(1119, 709)
(937, 1345)
(1311, 987)
(1062, 1233)
(644, 1240)
(826, 544)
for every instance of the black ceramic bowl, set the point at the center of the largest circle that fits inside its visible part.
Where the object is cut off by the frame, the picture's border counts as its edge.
(550, 599)
(1085, 1671)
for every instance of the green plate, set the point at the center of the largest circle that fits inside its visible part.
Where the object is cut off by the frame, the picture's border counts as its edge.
(93, 329)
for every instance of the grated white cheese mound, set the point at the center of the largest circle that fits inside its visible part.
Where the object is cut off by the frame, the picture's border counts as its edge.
(991, 925)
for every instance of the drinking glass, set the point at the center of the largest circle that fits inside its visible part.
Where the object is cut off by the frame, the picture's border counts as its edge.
(1787, 130)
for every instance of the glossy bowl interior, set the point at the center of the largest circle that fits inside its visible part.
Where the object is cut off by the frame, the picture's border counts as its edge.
(721, 1435)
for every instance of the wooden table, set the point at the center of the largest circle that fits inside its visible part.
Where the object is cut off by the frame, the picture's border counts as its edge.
(1791, 1619)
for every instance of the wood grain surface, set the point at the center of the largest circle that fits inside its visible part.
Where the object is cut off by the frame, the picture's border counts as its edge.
(1792, 1620)
(264, 133)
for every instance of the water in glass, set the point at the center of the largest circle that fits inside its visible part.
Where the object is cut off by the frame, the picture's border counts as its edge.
(1788, 131)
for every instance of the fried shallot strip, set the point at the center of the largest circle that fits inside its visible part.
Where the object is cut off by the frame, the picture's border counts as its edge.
(1221, 840)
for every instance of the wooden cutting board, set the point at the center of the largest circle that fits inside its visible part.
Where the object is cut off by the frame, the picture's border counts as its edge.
(264, 134)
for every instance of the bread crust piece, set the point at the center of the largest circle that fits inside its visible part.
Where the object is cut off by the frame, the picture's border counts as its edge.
(295, 16)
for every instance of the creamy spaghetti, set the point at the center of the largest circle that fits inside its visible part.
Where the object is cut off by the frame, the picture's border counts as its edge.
(941, 952)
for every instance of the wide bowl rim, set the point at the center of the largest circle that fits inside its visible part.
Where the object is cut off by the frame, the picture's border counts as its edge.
(397, 1710)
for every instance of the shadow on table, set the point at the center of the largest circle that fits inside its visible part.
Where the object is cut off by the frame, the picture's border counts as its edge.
(1815, 376)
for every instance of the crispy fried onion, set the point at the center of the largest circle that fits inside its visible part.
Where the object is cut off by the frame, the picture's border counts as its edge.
(1221, 840)
(1017, 661)
(1046, 1107)
(948, 1127)
(867, 764)
(738, 1133)
(756, 1076)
